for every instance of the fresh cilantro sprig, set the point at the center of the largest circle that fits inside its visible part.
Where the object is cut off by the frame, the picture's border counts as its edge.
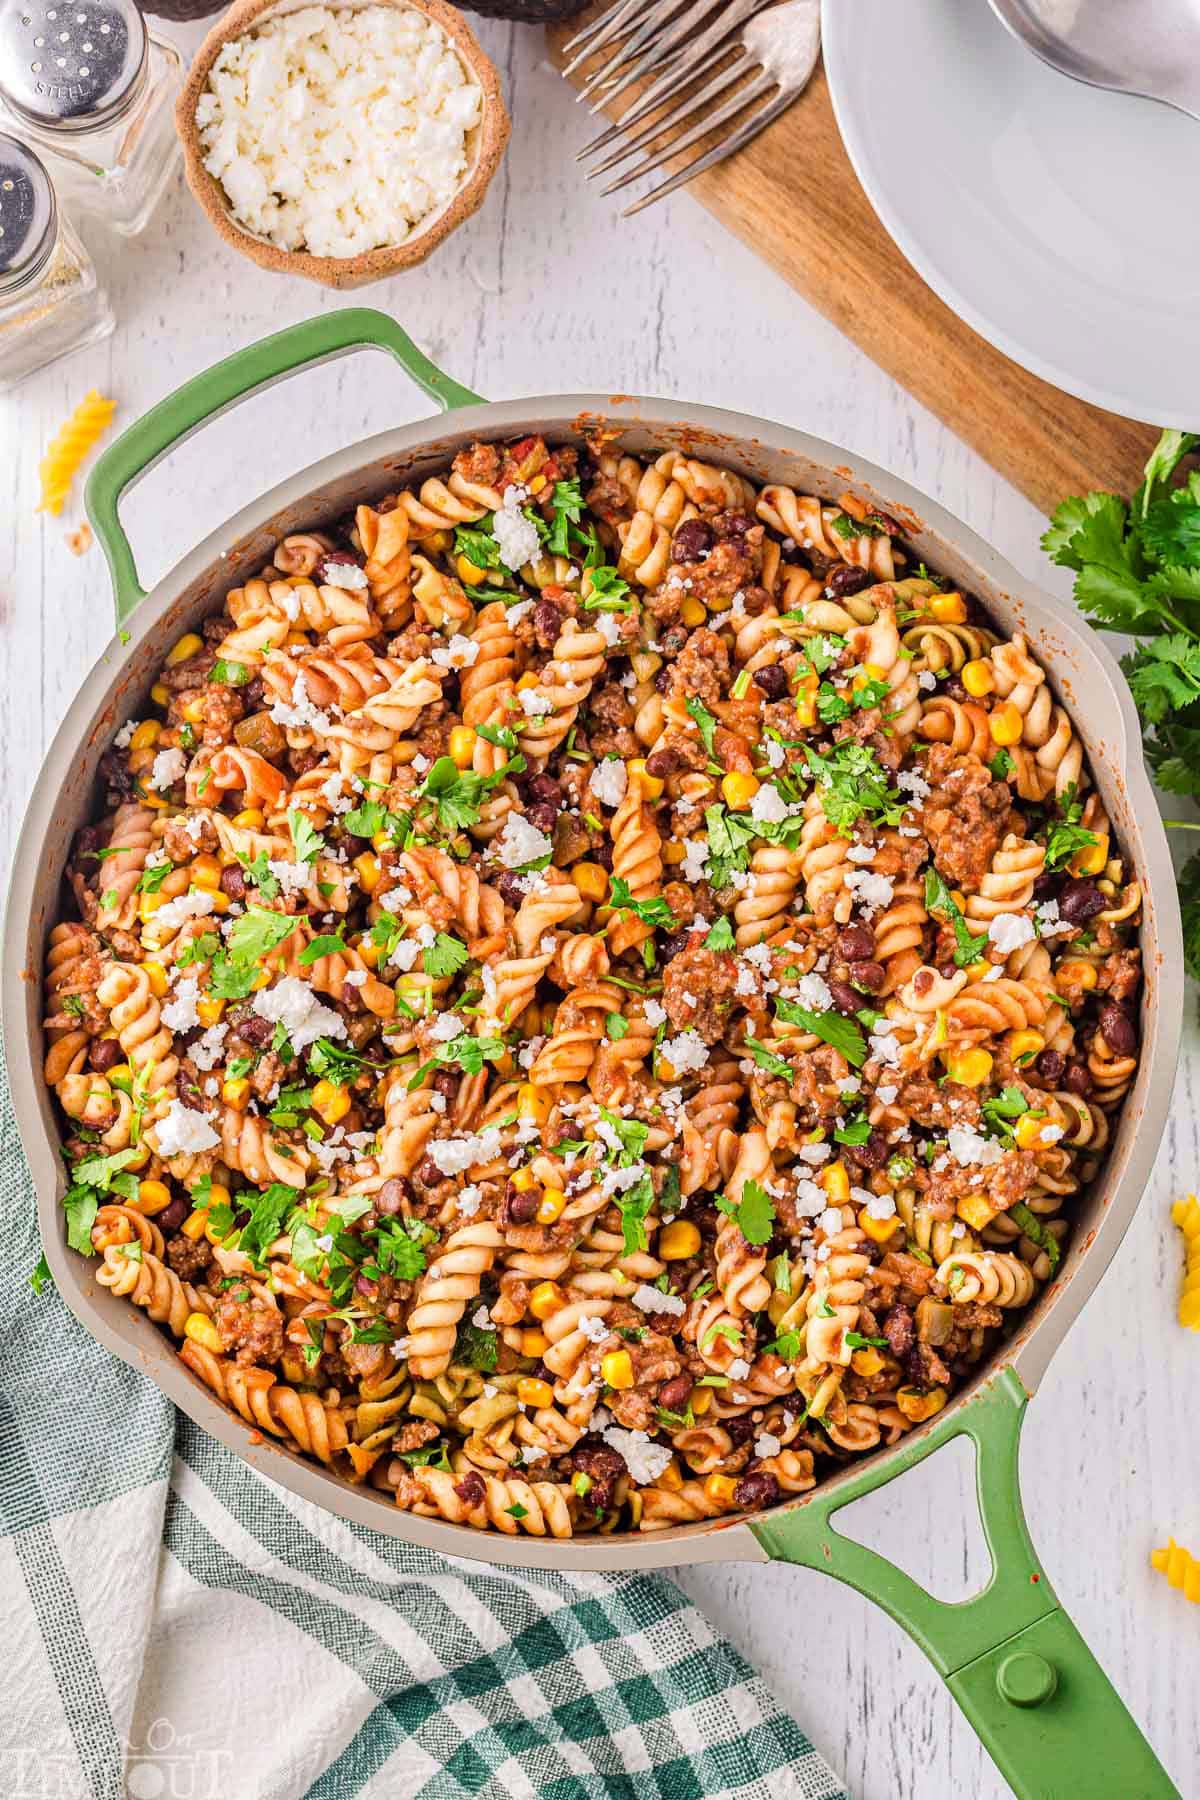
(938, 899)
(754, 1213)
(833, 1028)
(1137, 571)
(654, 911)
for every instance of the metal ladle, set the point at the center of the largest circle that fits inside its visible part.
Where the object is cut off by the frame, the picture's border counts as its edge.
(1146, 47)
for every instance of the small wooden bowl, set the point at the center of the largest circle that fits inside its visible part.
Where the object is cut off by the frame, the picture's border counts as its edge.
(485, 146)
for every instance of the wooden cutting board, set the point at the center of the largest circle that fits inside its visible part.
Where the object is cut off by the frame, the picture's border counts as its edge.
(793, 197)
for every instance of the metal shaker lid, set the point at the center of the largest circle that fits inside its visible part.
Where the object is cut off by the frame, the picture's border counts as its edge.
(28, 214)
(70, 64)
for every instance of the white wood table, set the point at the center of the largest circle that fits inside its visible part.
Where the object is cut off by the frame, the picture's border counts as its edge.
(544, 292)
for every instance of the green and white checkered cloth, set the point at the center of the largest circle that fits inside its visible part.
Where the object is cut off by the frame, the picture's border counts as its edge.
(178, 1628)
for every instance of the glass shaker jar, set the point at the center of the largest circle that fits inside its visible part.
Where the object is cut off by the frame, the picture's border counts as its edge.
(87, 82)
(50, 302)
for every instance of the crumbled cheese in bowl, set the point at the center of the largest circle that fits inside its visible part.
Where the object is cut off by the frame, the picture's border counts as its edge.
(338, 130)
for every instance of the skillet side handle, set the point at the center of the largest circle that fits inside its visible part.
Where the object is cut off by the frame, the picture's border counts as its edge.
(1014, 1662)
(206, 396)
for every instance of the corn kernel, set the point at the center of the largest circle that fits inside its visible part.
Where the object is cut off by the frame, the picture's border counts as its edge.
(160, 693)
(236, 1092)
(552, 1203)
(380, 841)
(917, 1406)
(1006, 724)
(616, 1369)
(1025, 1043)
(147, 733)
(836, 1182)
(970, 1068)
(218, 1195)
(297, 639)
(670, 1478)
(437, 541)
(977, 678)
(139, 1158)
(148, 905)
(652, 786)
(546, 1299)
(121, 1074)
(973, 1210)
(878, 1230)
(152, 1197)
(470, 572)
(156, 975)
(532, 1392)
(330, 1102)
(524, 1181)
(674, 852)
(721, 1489)
(1027, 1132)
(678, 1240)
(209, 1011)
(692, 611)
(205, 872)
(806, 714)
(534, 1343)
(948, 609)
(250, 819)
(591, 880)
(262, 980)
(866, 1362)
(739, 790)
(462, 745)
(369, 871)
(527, 681)
(533, 1103)
(701, 1401)
(200, 1328)
(1090, 859)
(194, 1225)
(193, 711)
(184, 649)
(1075, 973)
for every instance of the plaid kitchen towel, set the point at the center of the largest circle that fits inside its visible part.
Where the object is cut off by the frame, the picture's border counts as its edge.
(178, 1628)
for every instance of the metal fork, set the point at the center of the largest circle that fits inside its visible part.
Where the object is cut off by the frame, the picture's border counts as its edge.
(778, 47)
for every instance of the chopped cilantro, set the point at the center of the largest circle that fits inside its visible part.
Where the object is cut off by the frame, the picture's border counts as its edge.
(608, 592)
(479, 1349)
(615, 1025)
(308, 843)
(766, 1059)
(40, 1275)
(754, 1213)
(445, 956)
(705, 720)
(654, 911)
(721, 936)
(151, 879)
(229, 674)
(938, 898)
(257, 932)
(842, 1034)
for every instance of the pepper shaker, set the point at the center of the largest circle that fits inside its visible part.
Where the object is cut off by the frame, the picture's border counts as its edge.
(50, 302)
(94, 89)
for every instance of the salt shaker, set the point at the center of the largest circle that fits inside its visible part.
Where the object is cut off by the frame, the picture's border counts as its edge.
(94, 89)
(50, 301)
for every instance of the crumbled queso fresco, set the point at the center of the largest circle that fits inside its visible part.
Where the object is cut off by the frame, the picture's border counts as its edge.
(338, 131)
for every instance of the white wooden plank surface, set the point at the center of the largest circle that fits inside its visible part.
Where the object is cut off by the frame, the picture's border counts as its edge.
(544, 291)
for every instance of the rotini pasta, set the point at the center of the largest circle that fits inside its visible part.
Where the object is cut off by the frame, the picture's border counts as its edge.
(593, 995)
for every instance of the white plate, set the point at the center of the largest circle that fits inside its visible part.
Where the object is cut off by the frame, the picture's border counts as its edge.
(1061, 221)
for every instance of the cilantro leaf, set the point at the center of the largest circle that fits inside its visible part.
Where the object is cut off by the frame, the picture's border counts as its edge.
(229, 674)
(730, 836)
(151, 879)
(467, 1052)
(1164, 675)
(721, 936)
(787, 1346)
(331, 944)
(654, 911)
(40, 1276)
(257, 870)
(616, 1025)
(633, 1205)
(445, 956)
(567, 504)
(398, 1246)
(81, 1205)
(1189, 899)
(854, 1131)
(1009, 1103)
(853, 785)
(842, 1034)
(268, 1210)
(1036, 1232)
(308, 843)
(938, 898)
(705, 720)
(766, 1059)
(1171, 527)
(200, 949)
(477, 544)
(257, 932)
(754, 1213)
(608, 592)
(478, 1349)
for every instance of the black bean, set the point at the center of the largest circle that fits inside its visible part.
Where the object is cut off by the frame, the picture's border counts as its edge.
(868, 975)
(662, 681)
(856, 943)
(675, 945)
(1050, 1065)
(542, 815)
(672, 1395)
(603, 855)
(172, 1216)
(1118, 1029)
(757, 1489)
(844, 580)
(518, 1207)
(692, 540)
(233, 882)
(428, 1173)
(732, 524)
(772, 680)
(104, 1054)
(845, 998)
(393, 1196)
(446, 1082)
(1077, 1079)
(741, 1431)
(546, 789)
(1080, 901)
(874, 1153)
(547, 623)
(510, 888)
(664, 762)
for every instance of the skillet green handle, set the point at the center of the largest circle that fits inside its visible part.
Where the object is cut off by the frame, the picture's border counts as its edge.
(1011, 1657)
(144, 444)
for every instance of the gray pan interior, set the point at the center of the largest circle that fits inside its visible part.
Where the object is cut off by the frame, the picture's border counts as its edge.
(1082, 670)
